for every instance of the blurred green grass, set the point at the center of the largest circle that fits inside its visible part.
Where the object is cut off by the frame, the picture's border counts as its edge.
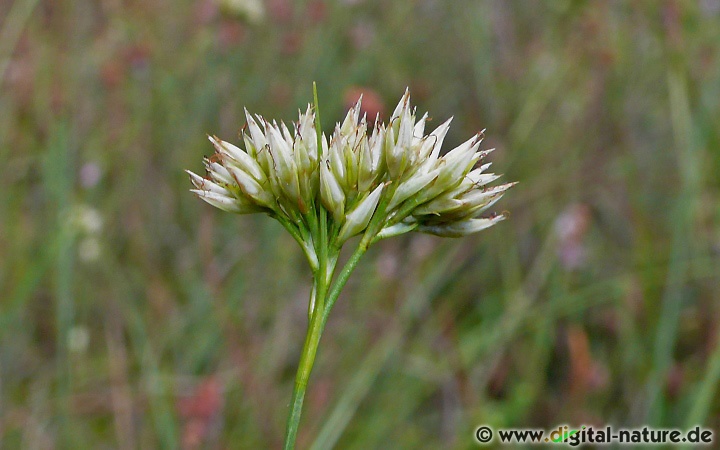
(134, 316)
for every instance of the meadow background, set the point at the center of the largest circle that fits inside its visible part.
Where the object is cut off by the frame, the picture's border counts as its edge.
(133, 315)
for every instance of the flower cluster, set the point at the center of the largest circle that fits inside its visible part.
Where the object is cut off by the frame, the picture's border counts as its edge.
(385, 182)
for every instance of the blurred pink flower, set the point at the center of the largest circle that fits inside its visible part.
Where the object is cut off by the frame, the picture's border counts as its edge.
(90, 175)
(570, 228)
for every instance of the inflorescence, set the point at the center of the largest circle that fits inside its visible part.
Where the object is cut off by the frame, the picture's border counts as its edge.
(387, 182)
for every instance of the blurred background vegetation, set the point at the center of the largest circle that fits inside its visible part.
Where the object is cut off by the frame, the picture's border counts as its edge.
(132, 315)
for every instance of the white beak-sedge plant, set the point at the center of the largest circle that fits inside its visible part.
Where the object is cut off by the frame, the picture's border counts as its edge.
(326, 190)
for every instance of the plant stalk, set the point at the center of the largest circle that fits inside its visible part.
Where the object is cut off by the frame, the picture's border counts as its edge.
(307, 359)
(326, 292)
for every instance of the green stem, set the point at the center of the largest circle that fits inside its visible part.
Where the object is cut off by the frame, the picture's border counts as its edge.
(312, 340)
(311, 220)
(372, 230)
(302, 237)
(324, 302)
(323, 276)
(342, 279)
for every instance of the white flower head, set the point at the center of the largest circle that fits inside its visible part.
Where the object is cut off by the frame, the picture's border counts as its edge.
(388, 181)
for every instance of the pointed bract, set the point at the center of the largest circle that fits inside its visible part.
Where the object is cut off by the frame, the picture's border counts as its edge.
(331, 193)
(358, 219)
(462, 228)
